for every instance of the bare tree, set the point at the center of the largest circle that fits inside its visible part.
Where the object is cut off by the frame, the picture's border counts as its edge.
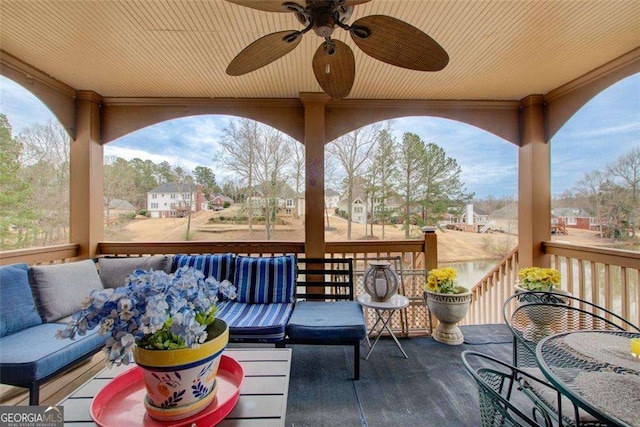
(382, 171)
(297, 166)
(239, 146)
(627, 168)
(271, 158)
(45, 160)
(353, 151)
(595, 187)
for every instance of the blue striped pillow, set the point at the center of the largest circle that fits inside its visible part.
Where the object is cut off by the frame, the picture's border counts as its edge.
(217, 266)
(265, 280)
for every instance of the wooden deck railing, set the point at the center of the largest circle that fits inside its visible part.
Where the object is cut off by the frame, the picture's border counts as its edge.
(606, 277)
(488, 295)
(609, 278)
(45, 255)
(414, 256)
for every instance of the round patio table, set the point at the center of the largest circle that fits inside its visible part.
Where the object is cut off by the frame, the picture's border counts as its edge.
(390, 306)
(595, 369)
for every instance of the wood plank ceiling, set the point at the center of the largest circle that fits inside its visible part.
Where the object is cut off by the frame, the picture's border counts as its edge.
(503, 50)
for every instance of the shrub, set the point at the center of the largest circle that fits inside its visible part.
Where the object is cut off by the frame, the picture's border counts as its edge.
(226, 205)
(142, 212)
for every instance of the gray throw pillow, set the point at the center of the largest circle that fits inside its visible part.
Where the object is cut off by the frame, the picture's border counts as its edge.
(61, 288)
(114, 270)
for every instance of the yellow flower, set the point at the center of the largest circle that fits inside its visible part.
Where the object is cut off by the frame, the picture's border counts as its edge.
(442, 280)
(538, 278)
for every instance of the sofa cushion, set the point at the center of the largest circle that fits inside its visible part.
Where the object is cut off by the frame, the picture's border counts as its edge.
(327, 321)
(114, 270)
(17, 306)
(255, 322)
(61, 288)
(218, 266)
(265, 280)
(35, 353)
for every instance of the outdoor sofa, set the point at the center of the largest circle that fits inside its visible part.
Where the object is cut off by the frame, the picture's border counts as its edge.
(37, 301)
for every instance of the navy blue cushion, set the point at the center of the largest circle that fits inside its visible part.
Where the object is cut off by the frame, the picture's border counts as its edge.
(17, 306)
(265, 280)
(218, 266)
(255, 322)
(327, 321)
(35, 353)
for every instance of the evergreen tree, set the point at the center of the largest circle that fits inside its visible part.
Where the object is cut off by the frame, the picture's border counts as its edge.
(441, 184)
(16, 216)
(410, 175)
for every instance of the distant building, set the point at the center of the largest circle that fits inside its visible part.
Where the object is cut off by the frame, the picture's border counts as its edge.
(285, 201)
(466, 219)
(171, 200)
(116, 207)
(331, 198)
(574, 218)
(218, 201)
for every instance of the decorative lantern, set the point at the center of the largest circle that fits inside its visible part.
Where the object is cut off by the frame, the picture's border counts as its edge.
(380, 281)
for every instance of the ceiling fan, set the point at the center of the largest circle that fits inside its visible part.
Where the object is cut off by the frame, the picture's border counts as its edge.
(382, 37)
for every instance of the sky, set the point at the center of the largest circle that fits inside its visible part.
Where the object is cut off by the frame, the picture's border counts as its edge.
(605, 128)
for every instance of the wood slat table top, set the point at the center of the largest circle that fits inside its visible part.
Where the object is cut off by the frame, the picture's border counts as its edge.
(263, 396)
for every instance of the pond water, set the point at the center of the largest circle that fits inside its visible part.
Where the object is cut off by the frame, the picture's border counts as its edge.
(470, 272)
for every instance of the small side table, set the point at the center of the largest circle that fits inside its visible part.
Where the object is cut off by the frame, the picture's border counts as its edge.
(393, 304)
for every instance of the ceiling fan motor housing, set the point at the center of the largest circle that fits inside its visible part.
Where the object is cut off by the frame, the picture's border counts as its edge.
(323, 23)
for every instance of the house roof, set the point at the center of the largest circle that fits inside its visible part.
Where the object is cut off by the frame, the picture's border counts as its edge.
(499, 50)
(170, 187)
(570, 212)
(330, 192)
(121, 205)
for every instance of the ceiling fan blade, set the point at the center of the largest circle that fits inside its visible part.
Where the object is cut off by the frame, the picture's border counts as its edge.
(268, 5)
(352, 2)
(335, 72)
(397, 43)
(264, 51)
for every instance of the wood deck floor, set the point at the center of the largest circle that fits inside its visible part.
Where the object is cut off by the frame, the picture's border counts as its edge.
(430, 388)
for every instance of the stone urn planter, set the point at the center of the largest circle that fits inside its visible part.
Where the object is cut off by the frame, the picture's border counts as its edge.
(449, 309)
(542, 317)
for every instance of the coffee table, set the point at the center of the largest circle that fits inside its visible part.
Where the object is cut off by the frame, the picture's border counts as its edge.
(263, 395)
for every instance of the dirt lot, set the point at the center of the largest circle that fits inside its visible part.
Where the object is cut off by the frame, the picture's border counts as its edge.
(452, 245)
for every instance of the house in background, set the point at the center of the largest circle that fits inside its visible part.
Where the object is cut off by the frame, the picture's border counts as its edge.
(331, 198)
(171, 200)
(286, 199)
(574, 218)
(468, 218)
(219, 200)
(359, 207)
(116, 207)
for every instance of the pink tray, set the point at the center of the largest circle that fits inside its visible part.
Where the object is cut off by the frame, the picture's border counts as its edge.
(120, 402)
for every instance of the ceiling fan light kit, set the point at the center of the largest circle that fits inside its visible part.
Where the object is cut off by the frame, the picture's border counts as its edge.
(384, 38)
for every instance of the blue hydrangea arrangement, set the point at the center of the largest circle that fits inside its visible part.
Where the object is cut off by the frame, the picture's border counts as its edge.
(153, 310)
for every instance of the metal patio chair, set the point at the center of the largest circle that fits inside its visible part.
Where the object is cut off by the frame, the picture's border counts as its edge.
(501, 389)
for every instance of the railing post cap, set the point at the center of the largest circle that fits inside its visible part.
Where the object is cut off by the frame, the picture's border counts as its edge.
(429, 229)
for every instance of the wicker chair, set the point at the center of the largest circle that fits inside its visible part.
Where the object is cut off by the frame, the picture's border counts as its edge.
(563, 313)
(501, 390)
